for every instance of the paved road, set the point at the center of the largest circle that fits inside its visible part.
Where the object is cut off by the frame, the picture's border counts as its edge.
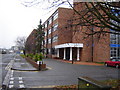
(59, 73)
(5, 66)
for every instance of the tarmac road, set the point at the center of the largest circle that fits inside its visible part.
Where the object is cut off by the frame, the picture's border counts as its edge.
(58, 73)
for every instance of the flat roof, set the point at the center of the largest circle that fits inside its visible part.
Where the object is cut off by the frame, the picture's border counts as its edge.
(69, 45)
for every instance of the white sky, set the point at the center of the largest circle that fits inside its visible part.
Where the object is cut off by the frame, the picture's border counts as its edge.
(18, 20)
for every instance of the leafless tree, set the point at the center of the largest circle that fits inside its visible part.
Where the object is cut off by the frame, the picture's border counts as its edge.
(97, 14)
(20, 42)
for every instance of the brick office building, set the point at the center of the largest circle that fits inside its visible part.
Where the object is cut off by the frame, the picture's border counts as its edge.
(62, 40)
(65, 41)
(54, 34)
(30, 43)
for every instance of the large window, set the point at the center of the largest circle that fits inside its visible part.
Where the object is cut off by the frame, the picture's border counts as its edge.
(49, 31)
(115, 45)
(55, 27)
(45, 33)
(50, 20)
(55, 16)
(115, 38)
(49, 40)
(45, 25)
(55, 38)
(54, 51)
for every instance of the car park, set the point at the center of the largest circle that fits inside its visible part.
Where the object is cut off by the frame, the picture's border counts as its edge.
(113, 62)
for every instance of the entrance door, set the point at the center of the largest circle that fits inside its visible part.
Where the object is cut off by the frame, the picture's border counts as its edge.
(67, 53)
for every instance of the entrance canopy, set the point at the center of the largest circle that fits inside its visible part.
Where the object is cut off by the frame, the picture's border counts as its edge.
(69, 45)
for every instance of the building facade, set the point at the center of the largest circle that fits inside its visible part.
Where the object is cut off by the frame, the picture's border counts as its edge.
(30, 43)
(54, 34)
(65, 40)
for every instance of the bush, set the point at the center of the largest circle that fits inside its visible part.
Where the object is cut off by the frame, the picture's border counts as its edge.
(38, 57)
(22, 55)
(31, 55)
(35, 57)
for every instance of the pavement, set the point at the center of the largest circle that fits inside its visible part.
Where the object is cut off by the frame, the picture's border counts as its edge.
(21, 64)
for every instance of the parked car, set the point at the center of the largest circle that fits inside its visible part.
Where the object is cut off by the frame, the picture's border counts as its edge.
(113, 62)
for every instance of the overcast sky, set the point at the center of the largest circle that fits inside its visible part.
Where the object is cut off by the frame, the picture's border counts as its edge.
(18, 20)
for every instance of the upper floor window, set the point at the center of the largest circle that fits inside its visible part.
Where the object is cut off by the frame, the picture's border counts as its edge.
(55, 38)
(49, 31)
(55, 26)
(45, 25)
(50, 20)
(45, 33)
(55, 16)
(49, 40)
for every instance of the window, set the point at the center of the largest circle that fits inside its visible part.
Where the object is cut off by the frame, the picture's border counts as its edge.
(45, 25)
(55, 16)
(54, 51)
(49, 51)
(45, 33)
(55, 26)
(49, 31)
(114, 45)
(50, 20)
(49, 40)
(55, 38)
(45, 41)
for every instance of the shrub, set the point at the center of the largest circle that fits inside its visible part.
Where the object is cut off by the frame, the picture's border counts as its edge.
(22, 55)
(35, 57)
(31, 55)
(40, 57)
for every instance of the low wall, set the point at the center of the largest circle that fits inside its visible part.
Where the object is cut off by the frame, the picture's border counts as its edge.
(34, 64)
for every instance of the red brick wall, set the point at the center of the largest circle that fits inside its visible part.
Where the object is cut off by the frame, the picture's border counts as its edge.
(101, 49)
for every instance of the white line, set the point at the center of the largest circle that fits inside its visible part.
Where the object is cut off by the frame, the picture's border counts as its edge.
(21, 86)
(11, 86)
(9, 66)
(11, 82)
(20, 81)
(20, 78)
(11, 74)
(7, 77)
(11, 78)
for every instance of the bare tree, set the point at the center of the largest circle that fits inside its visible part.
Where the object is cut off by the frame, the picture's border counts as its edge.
(20, 42)
(98, 14)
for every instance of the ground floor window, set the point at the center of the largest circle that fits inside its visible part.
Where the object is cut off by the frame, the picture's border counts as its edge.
(115, 52)
(115, 45)
(54, 51)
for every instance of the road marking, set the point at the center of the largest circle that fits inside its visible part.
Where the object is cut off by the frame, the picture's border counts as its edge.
(11, 78)
(21, 86)
(7, 77)
(11, 82)
(20, 78)
(11, 75)
(11, 86)
(20, 81)
(9, 66)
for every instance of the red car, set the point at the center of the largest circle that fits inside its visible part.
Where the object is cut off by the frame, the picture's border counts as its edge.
(114, 62)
